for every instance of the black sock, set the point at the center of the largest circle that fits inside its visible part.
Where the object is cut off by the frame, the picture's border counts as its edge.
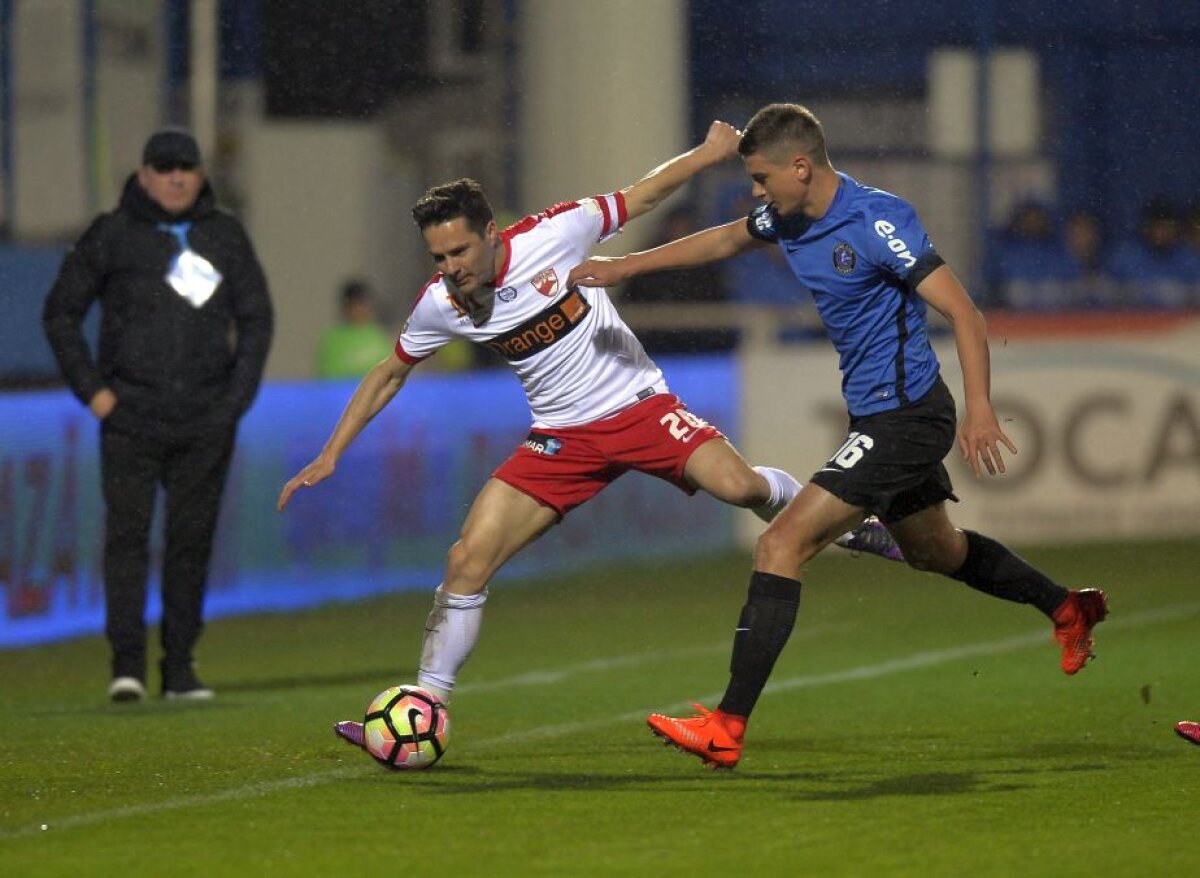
(763, 630)
(992, 569)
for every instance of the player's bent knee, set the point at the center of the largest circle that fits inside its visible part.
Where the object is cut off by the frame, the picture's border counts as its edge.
(931, 558)
(775, 552)
(924, 563)
(466, 569)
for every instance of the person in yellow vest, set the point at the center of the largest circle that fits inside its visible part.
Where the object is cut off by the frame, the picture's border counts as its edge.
(358, 341)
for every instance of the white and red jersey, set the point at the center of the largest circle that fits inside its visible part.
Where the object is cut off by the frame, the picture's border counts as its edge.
(575, 357)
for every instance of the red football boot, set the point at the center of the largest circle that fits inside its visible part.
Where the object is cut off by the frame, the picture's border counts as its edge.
(1189, 730)
(1073, 623)
(706, 735)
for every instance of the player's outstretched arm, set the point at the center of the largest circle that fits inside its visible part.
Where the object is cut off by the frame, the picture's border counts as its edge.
(979, 434)
(711, 245)
(374, 392)
(719, 145)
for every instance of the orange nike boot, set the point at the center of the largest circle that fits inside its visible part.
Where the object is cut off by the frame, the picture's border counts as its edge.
(713, 736)
(1073, 623)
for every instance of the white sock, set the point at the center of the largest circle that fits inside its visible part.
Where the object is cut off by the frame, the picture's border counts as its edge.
(783, 489)
(450, 635)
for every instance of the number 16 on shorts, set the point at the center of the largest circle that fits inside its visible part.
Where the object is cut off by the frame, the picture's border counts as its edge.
(851, 452)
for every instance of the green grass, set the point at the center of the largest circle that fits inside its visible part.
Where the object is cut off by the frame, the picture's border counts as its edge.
(914, 728)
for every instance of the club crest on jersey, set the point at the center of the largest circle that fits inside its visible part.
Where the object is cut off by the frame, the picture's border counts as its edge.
(542, 444)
(844, 258)
(506, 294)
(545, 282)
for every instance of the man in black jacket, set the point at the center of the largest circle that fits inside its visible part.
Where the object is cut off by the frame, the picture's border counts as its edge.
(185, 327)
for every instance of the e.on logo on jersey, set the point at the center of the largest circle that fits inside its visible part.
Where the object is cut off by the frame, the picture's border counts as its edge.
(887, 231)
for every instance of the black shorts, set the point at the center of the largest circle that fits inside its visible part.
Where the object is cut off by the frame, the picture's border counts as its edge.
(891, 462)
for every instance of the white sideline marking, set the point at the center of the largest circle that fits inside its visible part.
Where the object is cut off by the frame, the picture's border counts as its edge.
(863, 672)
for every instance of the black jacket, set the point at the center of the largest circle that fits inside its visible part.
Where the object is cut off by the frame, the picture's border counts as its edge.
(177, 370)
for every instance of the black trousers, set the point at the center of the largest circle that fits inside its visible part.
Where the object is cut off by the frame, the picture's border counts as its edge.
(192, 473)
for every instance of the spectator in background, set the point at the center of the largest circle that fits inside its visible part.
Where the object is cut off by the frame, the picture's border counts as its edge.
(1029, 267)
(1154, 269)
(1083, 239)
(185, 327)
(1192, 243)
(1193, 227)
(358, 341)
(700, 284)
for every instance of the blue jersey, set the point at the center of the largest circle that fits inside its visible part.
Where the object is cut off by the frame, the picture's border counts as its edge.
(862, 262)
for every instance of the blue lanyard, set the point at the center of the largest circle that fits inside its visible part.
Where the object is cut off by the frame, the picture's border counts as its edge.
(179, 230)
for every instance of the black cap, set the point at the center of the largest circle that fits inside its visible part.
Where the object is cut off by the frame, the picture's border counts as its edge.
(171, 147)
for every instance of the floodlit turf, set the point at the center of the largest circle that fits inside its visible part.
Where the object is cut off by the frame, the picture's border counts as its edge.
(914, 728)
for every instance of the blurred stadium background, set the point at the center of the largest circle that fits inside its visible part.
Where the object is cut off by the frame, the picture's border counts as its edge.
(1014, 127)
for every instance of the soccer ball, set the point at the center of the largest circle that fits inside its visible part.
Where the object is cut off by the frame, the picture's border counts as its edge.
(406, 728)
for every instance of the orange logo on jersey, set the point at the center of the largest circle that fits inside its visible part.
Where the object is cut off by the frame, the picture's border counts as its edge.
(545, 282)
(542, 330)
(458, 309)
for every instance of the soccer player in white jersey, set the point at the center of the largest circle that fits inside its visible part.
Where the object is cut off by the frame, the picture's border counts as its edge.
(600, 405)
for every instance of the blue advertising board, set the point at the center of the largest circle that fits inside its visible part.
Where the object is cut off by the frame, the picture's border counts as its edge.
(383, 522)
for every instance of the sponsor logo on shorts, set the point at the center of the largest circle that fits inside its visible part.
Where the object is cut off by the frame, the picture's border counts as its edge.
(542, 444)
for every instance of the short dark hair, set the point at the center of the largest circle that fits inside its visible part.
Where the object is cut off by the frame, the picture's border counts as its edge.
(790, 126)
(462, 198)
(1160, 208)
(354, 291)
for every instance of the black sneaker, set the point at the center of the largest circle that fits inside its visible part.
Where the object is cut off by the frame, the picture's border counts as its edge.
(184, 685)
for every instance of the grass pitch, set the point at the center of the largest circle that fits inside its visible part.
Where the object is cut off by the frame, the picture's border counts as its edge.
(913, 727)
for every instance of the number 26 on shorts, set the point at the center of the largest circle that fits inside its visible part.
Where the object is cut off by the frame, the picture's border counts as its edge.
(682, 424)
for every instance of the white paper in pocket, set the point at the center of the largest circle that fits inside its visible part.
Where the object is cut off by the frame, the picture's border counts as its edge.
(193, 277)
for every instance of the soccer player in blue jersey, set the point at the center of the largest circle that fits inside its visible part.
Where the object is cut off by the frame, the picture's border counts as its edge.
(873, 273)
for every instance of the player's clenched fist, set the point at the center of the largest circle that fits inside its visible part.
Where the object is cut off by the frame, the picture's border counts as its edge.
(723, 138)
